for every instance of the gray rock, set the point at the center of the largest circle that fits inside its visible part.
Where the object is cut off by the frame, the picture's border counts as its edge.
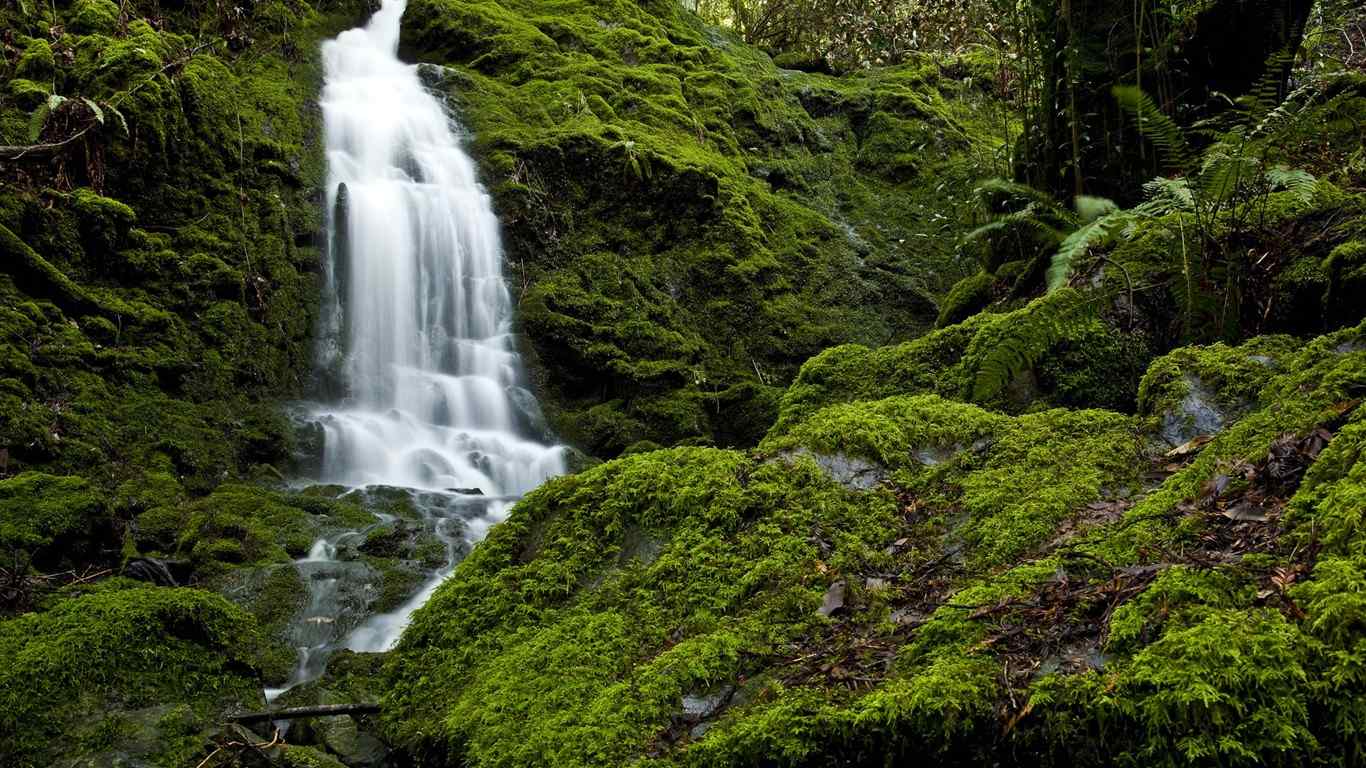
(1198, 413)
(833, 600)
(353, 746)
(852, 472)
(701, 706)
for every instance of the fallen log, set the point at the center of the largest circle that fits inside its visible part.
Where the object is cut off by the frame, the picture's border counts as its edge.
(296, 713)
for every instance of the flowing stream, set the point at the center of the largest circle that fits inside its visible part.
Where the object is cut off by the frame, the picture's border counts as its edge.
(419, 324)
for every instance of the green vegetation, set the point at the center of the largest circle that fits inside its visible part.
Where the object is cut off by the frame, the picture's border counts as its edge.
(1006, 474)
(79, 674)
(973, 575)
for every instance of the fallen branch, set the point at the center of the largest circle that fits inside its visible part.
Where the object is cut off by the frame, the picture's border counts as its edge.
(16, 153)
(296, 713)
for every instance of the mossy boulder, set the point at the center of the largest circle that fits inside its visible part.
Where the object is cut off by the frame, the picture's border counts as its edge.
(80, 674)
(48, 521)
(967, 297)
(1199, 390)
(1056, 350)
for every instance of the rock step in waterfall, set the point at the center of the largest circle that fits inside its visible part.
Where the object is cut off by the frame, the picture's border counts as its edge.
(419, 322)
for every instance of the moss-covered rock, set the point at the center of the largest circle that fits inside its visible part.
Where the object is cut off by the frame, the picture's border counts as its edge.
(48, 521)
(1198, 390)
(967, 297)
(1056, 350)
(79, 674)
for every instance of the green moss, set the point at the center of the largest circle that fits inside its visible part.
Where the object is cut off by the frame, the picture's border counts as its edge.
(967, 297)
(712, 550)
(36, 62)
(1232, 377)
(307, 757)
(94, 17)
(1346, 268)
(1015, 479)
(119, 649)
(49, 520)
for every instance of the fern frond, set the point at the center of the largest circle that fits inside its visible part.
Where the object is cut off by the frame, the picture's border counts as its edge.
(118, 116)
(1011, 346)
(1155, 125)
(1285, 112)
(1265, 94)
(1223, 172)
(1098, 232)
(1298, 181)
(37, 121)
(1005, 196)
(94, 108)
(1029, 218)
(1167, 195)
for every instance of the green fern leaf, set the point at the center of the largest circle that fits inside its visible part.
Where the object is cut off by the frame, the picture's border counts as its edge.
(1155, 125)
(1297, 181)
(1016, 344)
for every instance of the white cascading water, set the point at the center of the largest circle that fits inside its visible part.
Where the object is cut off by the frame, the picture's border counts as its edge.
(421, 315)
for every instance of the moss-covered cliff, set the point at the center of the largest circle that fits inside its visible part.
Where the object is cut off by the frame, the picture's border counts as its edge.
(686, 222)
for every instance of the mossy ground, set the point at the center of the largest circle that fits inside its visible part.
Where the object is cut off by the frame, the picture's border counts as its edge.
(1048, 584)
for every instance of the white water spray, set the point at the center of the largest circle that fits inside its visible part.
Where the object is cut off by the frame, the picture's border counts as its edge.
(420, 318)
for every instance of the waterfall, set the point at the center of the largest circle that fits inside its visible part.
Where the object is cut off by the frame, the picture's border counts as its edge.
(418, 314)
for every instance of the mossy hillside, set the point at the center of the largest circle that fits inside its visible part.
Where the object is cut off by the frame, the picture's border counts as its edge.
(1043, 584)
(162, 266)
(79, 675)
(609, 595)
(686, 223)
(1272, 691)
(1005, 484)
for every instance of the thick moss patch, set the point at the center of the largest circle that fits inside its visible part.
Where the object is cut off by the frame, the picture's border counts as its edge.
(77, 675)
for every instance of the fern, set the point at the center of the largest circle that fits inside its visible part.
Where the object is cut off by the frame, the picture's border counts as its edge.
(1298, 181)
(1102, 219)
(1167, 195)
(1017, 342)
(1155, 125)
(1003, 196)
(1028, 218)
(1099, 232)
(1224, 170)
(1265, 95)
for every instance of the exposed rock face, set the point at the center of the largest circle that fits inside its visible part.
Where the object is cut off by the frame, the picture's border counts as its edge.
(1198, 413)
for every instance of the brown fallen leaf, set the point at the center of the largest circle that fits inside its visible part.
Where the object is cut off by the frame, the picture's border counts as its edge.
(1190, 446)
(1246, 511)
